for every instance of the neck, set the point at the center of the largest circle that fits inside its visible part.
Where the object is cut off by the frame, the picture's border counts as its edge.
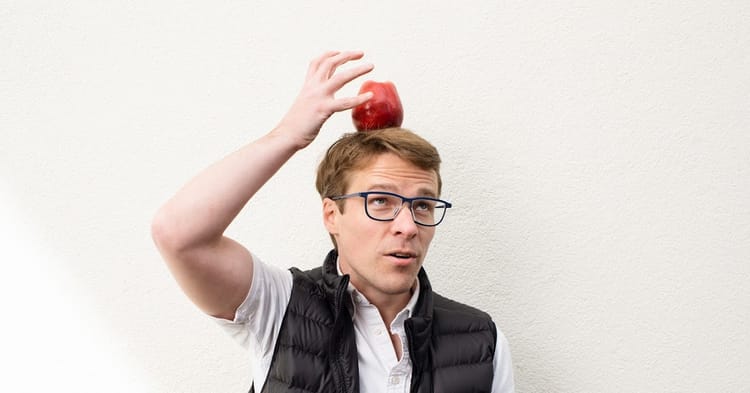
(389, 305)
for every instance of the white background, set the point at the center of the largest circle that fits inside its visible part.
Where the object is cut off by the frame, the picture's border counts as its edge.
(598, 155)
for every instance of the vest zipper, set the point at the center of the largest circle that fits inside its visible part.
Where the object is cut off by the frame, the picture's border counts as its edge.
(338, 369)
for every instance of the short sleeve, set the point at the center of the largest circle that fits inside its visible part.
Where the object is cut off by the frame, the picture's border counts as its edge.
(502, 382)
(257, 320)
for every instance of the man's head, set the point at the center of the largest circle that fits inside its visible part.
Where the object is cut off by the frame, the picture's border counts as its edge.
(382, 256)
(357, 150)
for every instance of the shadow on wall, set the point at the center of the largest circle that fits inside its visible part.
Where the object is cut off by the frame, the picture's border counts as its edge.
(59, 334)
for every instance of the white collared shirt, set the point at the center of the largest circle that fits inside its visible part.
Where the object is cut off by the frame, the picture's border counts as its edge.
(379, 368)
(258, 320)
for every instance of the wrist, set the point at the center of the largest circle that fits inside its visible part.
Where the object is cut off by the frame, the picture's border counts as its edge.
(289, 137)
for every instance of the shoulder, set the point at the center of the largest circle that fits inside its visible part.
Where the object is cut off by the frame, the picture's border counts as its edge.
(451, 317)
(312, 275)
(307, 281)
(308, 287)
(444, 305)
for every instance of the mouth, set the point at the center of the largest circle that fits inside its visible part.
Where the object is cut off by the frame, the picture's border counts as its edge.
(403, 257)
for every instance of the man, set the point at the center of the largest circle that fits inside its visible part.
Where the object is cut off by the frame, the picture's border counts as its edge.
(367, 320)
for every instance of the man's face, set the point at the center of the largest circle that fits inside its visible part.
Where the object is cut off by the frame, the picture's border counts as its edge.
(382, 258)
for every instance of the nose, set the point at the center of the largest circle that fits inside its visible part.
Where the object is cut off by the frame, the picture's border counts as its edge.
(404, 223)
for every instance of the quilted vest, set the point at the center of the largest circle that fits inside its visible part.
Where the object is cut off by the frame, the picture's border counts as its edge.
(451, 344)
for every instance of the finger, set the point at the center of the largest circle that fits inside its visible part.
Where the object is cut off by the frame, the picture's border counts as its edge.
(329, 65)
(315, 63)
(346, 76)
(342, 104)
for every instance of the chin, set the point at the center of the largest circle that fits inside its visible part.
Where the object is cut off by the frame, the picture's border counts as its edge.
(400, 285)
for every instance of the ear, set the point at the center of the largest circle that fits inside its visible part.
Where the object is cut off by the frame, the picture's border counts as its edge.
(330, 215)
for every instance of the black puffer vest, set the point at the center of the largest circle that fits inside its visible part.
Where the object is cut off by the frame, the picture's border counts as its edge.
(451, 345)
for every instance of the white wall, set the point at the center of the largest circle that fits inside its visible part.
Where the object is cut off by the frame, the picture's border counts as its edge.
(598, 154)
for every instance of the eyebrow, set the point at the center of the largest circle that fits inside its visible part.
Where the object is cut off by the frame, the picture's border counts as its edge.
(425, 192)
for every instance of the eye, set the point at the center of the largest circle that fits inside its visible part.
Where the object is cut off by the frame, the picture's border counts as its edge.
(380, 201)
(424, 206)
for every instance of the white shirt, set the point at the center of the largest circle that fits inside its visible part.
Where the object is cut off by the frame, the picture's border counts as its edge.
(379, 368)
(258, 320)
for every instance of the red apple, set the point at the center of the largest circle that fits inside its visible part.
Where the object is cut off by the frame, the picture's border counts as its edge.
(383, 110)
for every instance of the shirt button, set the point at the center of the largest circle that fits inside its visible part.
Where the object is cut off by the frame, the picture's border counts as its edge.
(378, 332)
(395, 380)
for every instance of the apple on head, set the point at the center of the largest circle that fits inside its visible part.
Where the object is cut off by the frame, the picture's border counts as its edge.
(383, 110)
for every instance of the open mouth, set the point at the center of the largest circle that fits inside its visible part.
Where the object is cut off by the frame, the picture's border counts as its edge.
(402, 255)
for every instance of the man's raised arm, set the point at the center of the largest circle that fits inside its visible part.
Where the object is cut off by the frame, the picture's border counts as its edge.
(215, 271)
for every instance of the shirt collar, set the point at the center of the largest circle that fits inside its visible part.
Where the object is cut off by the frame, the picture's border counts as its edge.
(354, 294)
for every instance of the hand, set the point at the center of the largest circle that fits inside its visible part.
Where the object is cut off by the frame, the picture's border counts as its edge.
(316, 102)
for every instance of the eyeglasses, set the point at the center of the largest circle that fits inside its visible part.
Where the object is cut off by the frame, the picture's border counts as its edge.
(385, 206)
